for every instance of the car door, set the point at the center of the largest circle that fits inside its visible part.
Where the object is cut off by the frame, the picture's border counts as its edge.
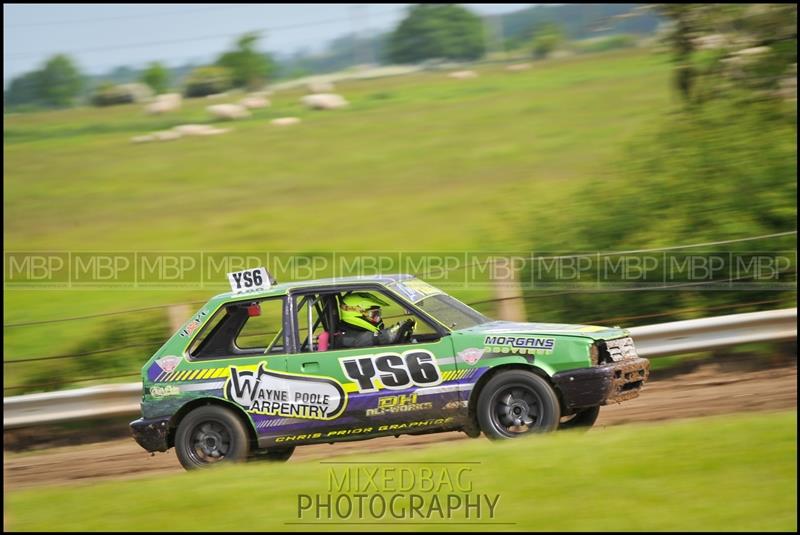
(399, 387)
(242, 342)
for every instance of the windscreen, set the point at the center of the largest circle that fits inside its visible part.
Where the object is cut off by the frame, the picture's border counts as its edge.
(451, 312)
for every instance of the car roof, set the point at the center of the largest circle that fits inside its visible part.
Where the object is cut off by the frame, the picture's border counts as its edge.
(283, 288)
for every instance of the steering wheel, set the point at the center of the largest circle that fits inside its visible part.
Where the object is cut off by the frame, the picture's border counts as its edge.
(406, 330)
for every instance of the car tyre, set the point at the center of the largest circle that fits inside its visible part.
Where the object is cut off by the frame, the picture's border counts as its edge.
(210, 435)
(583, 419)
(516, 403)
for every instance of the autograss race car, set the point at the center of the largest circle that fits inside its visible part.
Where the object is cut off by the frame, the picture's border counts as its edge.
(268, 367)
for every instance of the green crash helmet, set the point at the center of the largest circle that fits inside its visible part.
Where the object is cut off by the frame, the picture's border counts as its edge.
(362, 309)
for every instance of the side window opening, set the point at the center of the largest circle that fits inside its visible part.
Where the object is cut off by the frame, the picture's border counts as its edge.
(242, 328)
(320, 328)
(315, 311)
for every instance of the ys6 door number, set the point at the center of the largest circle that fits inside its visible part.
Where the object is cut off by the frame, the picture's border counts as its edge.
(395, 371)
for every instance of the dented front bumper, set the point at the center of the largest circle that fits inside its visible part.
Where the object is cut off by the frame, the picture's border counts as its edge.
(600, 385)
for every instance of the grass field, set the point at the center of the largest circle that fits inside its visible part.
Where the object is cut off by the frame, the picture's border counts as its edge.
(417, 163)
(732, 473)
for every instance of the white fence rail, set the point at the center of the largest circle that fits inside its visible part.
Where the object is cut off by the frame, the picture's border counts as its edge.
(651, 341)
(709, 333)
(77, 404)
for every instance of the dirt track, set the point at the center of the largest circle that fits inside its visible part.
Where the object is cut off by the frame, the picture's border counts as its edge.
(704, 392)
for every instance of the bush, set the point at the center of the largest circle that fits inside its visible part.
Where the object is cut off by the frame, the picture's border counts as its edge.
(131, 339)
(720, 172)
(210, 80)
(108, 94)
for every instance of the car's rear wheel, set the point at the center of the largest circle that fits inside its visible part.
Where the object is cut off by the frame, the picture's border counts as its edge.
(582, 419)
(275, 455)
(210, 435)
(515, 403)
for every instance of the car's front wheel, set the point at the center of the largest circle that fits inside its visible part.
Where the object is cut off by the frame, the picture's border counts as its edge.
(210, 435)
(515, 403)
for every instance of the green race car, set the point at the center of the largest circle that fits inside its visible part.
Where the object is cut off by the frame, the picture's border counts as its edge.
(267, 367)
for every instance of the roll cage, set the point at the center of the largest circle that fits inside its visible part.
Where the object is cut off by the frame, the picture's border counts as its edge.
(328, 310)
(218, 337)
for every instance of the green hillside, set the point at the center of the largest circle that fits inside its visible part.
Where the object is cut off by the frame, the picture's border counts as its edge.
(416, 163)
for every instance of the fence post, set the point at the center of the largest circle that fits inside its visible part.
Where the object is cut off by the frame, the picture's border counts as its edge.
(507, 290)
(178, 315)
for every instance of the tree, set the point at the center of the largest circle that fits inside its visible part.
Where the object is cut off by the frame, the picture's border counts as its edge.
(56, 84)
(157, 77)
(23, 90)
(723, 167)
(720, 48)
(546, 39)
(60, 82)
(249, 68)
(701, 174)
(443, 31)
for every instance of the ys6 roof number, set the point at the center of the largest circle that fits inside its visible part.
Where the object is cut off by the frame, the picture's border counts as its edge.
(249, 280)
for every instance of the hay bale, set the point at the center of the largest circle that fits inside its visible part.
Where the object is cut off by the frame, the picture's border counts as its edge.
(143, 139)
(324, 101)
(252, 102)
(199, 130)
(285, 121)
(463, 75)
(164, 103)
(228, 112)
(213, 131)
(166, 135)
(190, 129)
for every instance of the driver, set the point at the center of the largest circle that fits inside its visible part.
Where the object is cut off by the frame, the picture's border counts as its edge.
(362, 322)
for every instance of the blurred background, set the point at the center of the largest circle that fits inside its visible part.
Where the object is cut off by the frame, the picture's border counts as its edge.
(534, 130)
(658, 131)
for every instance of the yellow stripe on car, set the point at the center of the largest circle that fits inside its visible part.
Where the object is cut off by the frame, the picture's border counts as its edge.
(207, 373)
